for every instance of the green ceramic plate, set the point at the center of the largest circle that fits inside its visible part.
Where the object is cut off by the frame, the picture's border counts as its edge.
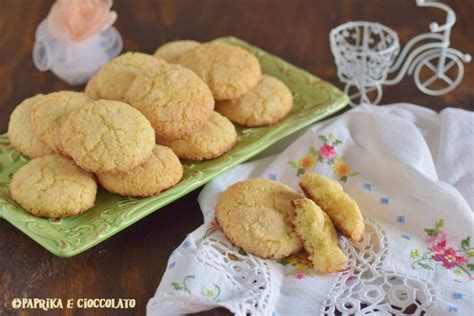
(314, 100)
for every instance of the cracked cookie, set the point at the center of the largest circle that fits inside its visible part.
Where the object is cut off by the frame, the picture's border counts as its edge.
(340, 207)
(51, 112)
(53, 186)
(92, 88)
(229, 71)
(269, 102)
(171, 50)
(160, 172)
(318, 235)
(115, 77)
(107, 136)
(20, 130)
(215, 138)
(173, 98)
(255, 215)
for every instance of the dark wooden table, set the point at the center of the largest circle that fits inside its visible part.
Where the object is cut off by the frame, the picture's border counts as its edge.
(130, 264)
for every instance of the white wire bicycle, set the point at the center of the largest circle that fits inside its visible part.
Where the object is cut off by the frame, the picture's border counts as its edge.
(366, 58)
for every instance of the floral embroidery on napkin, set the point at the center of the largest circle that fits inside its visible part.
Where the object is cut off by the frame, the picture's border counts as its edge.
(212, 294)
(326, 154)
(440, 252)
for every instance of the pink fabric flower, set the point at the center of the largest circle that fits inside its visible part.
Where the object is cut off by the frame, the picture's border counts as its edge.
(213, 225)
(299, 275)
(76, 20)
(441, 244)
(327, 152)
(449, 258)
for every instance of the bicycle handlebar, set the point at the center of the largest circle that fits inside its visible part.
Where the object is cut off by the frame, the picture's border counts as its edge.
(450, 18)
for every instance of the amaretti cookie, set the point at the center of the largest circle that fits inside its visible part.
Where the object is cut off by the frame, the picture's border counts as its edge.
(269, 102)
(92, 88)
(173, 98)
(115, 77)
(172, 50)
(107, 136)
(255, 215)
(215, 138)
(160, 172)
(318, 236)
(229, 71)
(53, 186)
(340, 207)
(51, 112)
(20, 130)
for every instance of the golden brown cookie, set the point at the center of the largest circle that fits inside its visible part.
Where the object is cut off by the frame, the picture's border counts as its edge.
(107, 136)
(173, 98)
(229, 71)
(20, 130)
(171, 50)
(269, 102)
(160, 172)
(340, 207)
(53, 186)
(255, 215)
(318, 235)
(215, 138)
(115, 77)
(92, 88)
(51, 112)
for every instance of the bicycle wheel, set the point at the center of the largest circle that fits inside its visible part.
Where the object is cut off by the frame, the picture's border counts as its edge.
(433, 82)
(368, 95)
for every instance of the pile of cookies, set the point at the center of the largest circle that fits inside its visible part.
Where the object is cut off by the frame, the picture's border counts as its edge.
(271, 220)
(139, 114)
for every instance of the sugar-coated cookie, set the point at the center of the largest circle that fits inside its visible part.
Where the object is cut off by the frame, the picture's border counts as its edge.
(269, 102)
(53, 186)
(318, 235)
(215, 138)
(229, 71)
(20, 130)
(173, 98)
(340, 207)
(92, 88)
(160, 172)
(107, 136)
(51, 112)
(172, 50)
(255, 215)
(115, 77)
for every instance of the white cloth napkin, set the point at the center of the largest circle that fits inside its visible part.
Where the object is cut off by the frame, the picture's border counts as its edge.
(411, 171)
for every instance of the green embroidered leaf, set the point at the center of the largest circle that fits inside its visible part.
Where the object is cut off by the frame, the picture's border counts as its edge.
(458, 271)
(293, 163)
(470, 253)
(283, 261)
(320, 159)
(314, 152)
(331, 137)
(425, 266)
(470, 266)
(323, 138)
(439, 224)
(431, 232)
(343, 179)
(177, 286)
(300, 172)
(466, 243)
(330, 161)
(337, 142)
(353, 174)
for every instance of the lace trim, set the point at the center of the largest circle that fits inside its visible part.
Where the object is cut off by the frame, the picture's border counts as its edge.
(249, 274)
(366, 287)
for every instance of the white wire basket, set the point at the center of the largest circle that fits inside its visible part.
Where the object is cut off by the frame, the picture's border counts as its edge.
(367, 57)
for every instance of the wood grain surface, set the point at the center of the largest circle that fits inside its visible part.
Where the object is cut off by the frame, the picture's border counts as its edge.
(130, 264)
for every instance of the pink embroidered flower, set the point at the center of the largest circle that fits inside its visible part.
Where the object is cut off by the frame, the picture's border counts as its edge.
(441, 244)
(76, 20)
(299, 275)
(213, 225)
(449, 258)
(327, 152)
